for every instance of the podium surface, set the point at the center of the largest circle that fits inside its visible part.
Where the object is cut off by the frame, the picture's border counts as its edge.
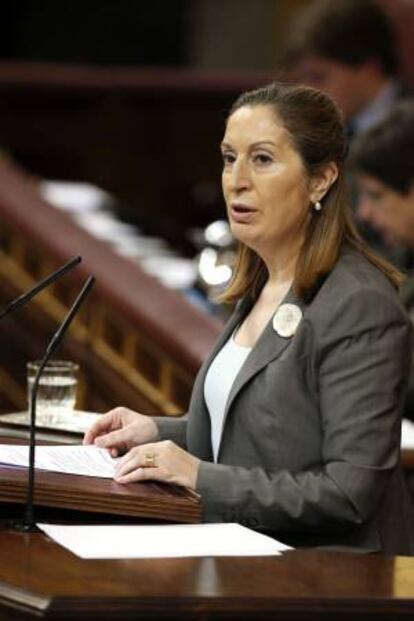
(148, 500)
(41, 580)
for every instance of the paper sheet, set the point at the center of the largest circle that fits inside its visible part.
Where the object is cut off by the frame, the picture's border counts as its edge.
(407, 434)
(162, 541)
(70, 459)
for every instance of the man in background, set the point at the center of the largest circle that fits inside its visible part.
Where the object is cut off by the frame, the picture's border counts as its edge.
(346, 48)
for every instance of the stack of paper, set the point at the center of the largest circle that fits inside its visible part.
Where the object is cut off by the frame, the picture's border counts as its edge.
(89, 460)
(169, 541)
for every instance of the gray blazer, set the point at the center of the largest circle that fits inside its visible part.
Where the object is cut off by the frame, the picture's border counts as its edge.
(310, 444)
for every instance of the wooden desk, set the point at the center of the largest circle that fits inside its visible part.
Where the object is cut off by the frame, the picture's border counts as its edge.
(40, 580)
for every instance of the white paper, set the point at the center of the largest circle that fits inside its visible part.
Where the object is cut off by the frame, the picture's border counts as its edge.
(407, 434)
(89, 460)
(162, 541)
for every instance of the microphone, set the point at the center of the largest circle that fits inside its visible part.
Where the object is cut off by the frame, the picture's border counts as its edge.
(28, 523)
(25, 297)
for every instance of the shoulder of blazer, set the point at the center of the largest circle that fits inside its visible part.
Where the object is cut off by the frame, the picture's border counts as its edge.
(356, 296)
(354, 273)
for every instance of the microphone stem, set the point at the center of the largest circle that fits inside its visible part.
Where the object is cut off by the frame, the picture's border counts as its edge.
(28, 524)
(29, 521)
(48, 280)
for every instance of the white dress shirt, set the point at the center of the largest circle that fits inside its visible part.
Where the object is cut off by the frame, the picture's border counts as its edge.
(217, 386)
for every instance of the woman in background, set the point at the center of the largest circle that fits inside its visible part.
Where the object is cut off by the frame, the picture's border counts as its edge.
(294, 422)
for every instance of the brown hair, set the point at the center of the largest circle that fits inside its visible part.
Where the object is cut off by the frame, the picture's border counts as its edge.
(386, 150)
(317, 133)
(348, 31)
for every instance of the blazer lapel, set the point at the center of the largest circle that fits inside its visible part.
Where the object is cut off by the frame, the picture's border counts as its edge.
(269, 347)
(240, 312)
(201, 432)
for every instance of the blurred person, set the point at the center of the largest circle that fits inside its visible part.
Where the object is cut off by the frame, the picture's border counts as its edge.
(294, 422)
(383, 158)
(346, 48)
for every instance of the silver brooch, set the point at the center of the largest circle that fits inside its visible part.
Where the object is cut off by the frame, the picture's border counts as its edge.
(286, 320)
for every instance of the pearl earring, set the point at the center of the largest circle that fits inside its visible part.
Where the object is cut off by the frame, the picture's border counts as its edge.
(317, 206)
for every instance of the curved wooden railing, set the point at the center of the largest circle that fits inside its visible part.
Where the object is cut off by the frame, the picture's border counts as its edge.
(148, 337)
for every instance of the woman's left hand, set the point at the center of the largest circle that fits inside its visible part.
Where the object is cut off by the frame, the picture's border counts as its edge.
(158, 461)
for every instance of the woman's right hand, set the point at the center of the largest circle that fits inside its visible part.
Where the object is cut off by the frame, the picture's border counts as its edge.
(120, 430)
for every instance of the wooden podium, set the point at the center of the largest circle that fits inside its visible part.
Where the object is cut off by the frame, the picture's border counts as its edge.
(148, 500)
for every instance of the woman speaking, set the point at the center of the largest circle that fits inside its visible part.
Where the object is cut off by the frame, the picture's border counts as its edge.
(294, 422)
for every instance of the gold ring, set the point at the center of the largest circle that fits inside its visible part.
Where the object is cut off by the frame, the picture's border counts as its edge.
(149, 460)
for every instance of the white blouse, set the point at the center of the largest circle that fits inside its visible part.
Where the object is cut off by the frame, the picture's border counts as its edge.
(218, 383)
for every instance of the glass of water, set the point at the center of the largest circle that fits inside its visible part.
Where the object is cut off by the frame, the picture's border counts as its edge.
(56, 394)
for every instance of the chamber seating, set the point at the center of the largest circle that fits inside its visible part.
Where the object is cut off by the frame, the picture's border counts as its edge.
(138, 343)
